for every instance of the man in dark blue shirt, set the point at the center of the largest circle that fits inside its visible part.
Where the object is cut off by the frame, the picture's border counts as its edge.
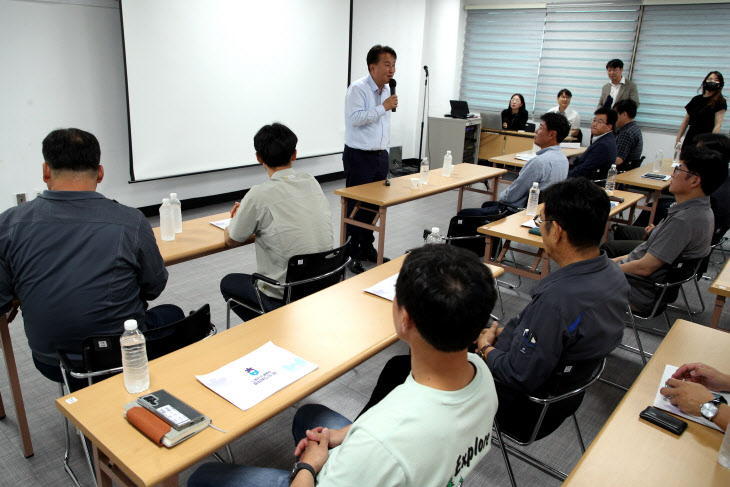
(598, 157)
(79, 263)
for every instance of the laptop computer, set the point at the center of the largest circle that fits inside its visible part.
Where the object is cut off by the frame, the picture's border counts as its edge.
(459, 109)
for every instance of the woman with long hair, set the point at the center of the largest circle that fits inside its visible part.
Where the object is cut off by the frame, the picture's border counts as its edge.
(706, 111)
(514, 117)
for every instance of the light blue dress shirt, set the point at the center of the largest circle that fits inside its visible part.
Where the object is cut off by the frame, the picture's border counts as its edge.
(367, 124)
(548, 167)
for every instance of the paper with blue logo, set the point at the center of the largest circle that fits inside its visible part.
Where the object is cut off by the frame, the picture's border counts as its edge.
(254, 377)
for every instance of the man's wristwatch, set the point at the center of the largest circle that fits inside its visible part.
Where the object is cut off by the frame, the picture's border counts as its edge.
(302, 466)
(710, 409)
(481, 351)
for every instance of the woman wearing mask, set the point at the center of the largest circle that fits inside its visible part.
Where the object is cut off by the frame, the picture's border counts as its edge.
(514, 117)
(705, 112)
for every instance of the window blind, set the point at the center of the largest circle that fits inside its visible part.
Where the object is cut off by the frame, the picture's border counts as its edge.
(678, 45)
(580, 38)
(501, 57)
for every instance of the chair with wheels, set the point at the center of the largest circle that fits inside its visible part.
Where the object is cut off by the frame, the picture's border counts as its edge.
(101, 357)
(306, 274)
(556, 401)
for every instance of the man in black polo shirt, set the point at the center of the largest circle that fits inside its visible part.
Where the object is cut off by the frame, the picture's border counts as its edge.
(79, 263)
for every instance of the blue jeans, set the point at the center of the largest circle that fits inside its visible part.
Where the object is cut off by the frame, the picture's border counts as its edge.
(226, 475)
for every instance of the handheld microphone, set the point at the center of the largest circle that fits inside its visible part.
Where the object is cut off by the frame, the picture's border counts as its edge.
(426, 68)
(392, 84)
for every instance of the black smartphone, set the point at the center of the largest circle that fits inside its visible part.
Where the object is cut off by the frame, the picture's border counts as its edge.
(663, 420)
(170, 409)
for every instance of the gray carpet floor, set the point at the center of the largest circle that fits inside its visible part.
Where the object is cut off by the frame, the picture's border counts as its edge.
(194, 283)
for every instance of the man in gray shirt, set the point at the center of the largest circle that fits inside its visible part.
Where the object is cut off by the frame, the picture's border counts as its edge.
(289, 215)
(684, 234)
(79, 263)
(548, 167)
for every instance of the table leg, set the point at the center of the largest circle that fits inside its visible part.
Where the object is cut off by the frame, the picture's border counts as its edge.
(719, 303)
(343, 225)
(381, 234)
(461, 198)
(488, 250)
(100, 465)
(495, 187)
(17, 393)
(657, 194)
(631, 214)
(545, 269)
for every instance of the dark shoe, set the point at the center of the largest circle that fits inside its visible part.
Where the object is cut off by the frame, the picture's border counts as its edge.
(356, 267)
(371, 255)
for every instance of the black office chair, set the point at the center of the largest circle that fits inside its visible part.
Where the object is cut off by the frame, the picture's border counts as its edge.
(306, 274)
(629, 165)
(564, 391)
(101, 357)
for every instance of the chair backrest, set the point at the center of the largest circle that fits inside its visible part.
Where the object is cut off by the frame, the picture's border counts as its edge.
(717, 235)
(679, 271)
(629, 165)
(466, 226)
(570, 375)
(315, 272)
(105, 352)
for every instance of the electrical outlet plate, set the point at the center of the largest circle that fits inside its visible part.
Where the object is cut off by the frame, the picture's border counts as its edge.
(20, 198)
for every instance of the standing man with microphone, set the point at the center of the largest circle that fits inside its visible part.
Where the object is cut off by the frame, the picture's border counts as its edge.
(367, 140)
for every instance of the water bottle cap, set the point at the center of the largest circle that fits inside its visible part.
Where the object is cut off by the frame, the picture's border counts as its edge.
(535, 185)
(613, 166)
(435, 230)
(448, 152)
(173, 195)
(424, 160)
(165, 201)
(130, 325)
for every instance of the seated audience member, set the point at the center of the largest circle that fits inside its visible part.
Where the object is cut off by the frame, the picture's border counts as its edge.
(444, 295)
(684, 234)
(514, 117)
(79, 263)
(547, 167)
(619, 88)
(564, 97)
(598, 157)
(289, 215)
(689, 389)
(576, 312)
(629, 143)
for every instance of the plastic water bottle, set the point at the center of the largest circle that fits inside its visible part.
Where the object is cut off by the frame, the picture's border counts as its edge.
(448, 166)
(176, 212)
(434, 237)
(533, 199)
(723, 458)
(611, 179)
(658, 158)
(677, 152)
(167, 222)
(424, 170)
(134, 359)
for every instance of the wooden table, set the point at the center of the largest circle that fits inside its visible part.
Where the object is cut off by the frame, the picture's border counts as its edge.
(198, 239)
(399, 191)
(497, 142)
(511, 229)
(721, 287)
(630, 451)
(655, 187)
(337, 329)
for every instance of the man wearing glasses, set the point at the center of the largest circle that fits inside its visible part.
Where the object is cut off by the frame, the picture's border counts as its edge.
(684, 234)
(598, 157)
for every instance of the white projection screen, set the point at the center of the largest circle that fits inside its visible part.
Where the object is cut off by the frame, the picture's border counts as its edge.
(204, 75)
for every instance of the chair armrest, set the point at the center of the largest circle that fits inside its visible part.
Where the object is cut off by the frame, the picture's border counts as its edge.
(260, 277)
(642, 279)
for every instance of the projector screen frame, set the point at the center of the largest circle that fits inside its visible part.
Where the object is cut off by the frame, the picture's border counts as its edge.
(133, 179)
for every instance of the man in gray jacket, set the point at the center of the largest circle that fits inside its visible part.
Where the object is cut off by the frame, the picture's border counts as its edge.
(619, 88)
(548, 167)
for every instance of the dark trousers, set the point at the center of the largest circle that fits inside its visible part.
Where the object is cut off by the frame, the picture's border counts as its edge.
(488, 208)
(625, 239)
(362, 167)
(240, 287)
(156, 317)
(516, 414)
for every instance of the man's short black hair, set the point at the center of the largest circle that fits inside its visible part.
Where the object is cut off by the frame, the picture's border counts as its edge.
(580, 208)
(610, 113)
(716, 142)
(615, 63)
(628, 107)
(374, 53)
(708, 164)
(448, 292)
(565, 91)
(275, 144)
(72, 150)
(557, 122)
